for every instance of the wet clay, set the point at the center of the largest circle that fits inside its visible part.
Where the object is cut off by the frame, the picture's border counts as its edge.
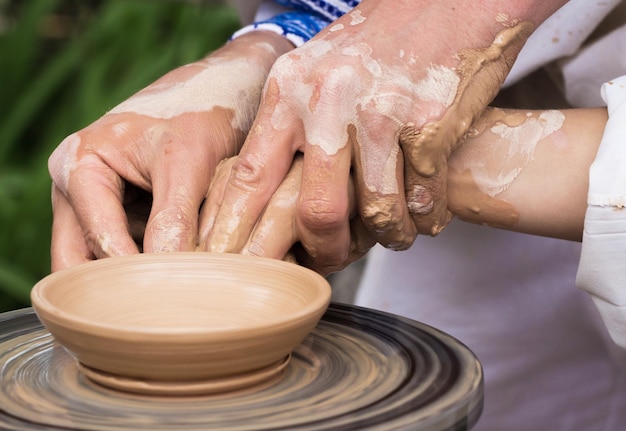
(479, 69)
(172, 318)
(345, 374)
(496, 150)
(469, 203)
(501, 144)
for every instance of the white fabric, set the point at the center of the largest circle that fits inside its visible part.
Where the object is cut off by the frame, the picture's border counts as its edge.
(511, 298)
(607, 176)
(602, 269)
(269, 9)
(561, 35)
(603, 60)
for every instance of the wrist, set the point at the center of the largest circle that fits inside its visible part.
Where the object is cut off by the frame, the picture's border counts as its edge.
(263, 47)
(468, 23)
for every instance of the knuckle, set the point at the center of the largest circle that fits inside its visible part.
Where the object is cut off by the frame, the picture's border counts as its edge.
(389, 224)
(172, 230)
(63, 159)
(246, 173)
(322, 215)
(434, 223)
(383, 217)
(285, 68)
(282, 65)
(420, 200)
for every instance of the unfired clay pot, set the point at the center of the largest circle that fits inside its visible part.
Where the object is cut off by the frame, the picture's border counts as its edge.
(152, 322)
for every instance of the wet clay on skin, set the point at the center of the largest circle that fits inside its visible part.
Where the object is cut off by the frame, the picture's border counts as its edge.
(166, 112)
(481, 71)
(428, 148)
(200, 86)
(471, 84)
(497, 149)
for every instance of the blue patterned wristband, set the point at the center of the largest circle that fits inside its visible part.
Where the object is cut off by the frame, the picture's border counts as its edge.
(298, 27)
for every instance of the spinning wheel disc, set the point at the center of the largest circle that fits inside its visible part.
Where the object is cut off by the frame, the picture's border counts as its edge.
(359, 369)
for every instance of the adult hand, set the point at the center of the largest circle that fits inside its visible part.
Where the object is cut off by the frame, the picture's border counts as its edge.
(163, 142)
(277, 235)
(389, 81)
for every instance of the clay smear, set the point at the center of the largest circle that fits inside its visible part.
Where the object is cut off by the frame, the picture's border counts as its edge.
(64, 159)
(357, 18)
(440, 85)
(505, 149)
(469, 203)
(383, 93)
(497, 150)
(480, 72)
(207, 84)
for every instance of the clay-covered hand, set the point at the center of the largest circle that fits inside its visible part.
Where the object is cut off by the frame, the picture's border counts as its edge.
(519, 170)
(277, 233)
(389, 81)
(156, 150)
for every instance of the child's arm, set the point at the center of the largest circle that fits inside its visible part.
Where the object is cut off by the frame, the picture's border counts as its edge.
(527, 171)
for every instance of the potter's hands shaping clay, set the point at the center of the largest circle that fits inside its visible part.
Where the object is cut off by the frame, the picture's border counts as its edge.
(165, 140)
(390, 80)
(519, 170)
(277, 234)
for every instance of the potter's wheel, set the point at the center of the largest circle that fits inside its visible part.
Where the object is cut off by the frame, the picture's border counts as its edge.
(360, 369)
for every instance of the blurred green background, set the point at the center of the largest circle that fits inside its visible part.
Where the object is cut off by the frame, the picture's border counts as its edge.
(64, 63)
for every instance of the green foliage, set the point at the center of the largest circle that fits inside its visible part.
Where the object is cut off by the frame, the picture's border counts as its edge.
(63, 63)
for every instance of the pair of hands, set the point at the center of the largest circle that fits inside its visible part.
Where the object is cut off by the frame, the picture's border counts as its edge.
(351, 105)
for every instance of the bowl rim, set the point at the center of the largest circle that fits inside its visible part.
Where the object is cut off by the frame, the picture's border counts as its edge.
(47, 311)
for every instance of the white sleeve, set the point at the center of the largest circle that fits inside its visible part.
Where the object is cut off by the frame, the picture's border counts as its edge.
(561, 35)
(602, 269)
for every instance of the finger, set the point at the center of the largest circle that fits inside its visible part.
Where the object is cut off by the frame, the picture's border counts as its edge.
(322, 218)
(95, 193)
(362, 238)
(427, 201)
(361, 241)
(426, 178)
(256, 174)
(212, 203)
(179, 185)
(68, 247)
(379, 177)
(275, 233)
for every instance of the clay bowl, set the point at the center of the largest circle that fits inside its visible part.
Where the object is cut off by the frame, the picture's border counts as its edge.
(181, 322)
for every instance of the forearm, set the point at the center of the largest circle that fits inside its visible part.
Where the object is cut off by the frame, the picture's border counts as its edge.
(467, 24)
(527, 171)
